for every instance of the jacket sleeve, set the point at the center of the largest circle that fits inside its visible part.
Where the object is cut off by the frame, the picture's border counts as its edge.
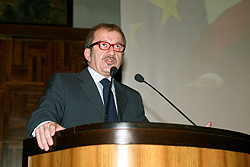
(51, 106)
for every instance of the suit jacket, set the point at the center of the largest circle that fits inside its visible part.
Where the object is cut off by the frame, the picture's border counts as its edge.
(72, 99)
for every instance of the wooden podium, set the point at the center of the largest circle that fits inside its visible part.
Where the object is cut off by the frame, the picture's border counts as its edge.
(141, 145)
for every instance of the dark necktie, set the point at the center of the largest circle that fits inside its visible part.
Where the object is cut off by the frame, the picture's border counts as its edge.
(112, 113)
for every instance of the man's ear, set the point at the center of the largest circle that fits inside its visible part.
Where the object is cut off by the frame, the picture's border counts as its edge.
(87, 54)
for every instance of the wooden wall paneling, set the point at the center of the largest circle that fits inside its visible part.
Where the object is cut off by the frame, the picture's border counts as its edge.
(18, 58)
(19, 62)
(76, 51)
(20, 102)
(1, 113)
(6, 59)
(49, 61)
(69, 56)
(1, 152)
(29, 55)
(36, 31)
(24, 100)
(2, 62)
(12, 154)
(59, 56)
(2, 81)
(2, 89)
(6, 108)
(36, 51)
(75, 61)
(31, 60)
(3, 108)
(1, 121)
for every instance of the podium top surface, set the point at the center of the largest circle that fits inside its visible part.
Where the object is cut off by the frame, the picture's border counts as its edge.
(143, 133)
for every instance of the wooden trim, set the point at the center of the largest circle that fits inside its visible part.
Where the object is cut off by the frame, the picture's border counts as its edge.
(43, 31)
(146, 134)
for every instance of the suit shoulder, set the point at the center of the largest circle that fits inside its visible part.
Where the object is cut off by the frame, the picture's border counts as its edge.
(126, 88)
(67, 75)
(63, 77)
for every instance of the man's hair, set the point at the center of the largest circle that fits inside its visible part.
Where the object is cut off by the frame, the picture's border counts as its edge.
(109, 27)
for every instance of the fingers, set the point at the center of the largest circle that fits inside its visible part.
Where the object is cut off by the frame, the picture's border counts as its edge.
(209, 124)
(41, 139)
(51, 131)
(58, 128)
(45, 133)
(38, 139)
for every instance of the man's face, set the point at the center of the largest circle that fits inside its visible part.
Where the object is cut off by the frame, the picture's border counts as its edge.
(102, 60)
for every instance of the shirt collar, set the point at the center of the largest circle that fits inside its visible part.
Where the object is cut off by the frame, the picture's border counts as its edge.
(96, 76)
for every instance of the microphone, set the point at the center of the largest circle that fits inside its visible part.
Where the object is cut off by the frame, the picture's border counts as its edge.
(113, 71)
(139, 78)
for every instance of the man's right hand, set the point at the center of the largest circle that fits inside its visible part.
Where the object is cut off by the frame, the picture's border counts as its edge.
(45, 133)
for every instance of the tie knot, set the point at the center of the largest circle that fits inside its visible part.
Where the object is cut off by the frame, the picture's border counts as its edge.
(105, 82)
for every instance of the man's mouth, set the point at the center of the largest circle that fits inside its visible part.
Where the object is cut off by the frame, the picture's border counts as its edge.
(110, 60)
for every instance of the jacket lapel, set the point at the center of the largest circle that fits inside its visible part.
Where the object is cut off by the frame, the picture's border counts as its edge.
(89, 87)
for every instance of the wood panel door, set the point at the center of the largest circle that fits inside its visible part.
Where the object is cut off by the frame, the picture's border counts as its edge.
(26, 63)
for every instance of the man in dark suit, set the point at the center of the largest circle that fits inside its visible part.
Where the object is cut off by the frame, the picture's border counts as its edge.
(76, 99)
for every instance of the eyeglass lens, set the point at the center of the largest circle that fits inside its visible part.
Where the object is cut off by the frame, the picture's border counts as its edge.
(107, 45)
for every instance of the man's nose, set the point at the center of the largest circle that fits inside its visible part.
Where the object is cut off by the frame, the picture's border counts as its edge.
(111, 50)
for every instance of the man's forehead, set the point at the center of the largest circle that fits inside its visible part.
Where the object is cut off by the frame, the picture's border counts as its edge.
(103, 33)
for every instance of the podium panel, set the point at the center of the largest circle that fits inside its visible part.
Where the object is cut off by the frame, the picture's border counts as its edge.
(141, 144)
(139, 155)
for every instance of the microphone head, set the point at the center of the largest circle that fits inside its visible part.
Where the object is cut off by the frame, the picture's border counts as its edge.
(113, 71)
(139, 78)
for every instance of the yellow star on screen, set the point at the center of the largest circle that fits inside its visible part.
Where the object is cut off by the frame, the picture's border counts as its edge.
(169, 8)
(133, 28)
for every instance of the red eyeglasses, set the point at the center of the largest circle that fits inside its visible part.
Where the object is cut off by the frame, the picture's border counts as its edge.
(106, 45)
